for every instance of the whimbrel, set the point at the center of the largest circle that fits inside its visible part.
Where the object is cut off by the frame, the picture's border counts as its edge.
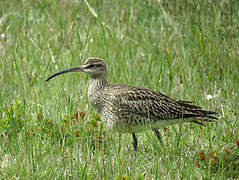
(129, 109)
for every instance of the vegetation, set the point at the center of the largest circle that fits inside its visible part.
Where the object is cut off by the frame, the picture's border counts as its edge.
(185, 49)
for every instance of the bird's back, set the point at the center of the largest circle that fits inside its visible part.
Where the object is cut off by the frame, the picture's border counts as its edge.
(129, 106)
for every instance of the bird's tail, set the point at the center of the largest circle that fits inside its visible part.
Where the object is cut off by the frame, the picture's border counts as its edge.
(200, 115)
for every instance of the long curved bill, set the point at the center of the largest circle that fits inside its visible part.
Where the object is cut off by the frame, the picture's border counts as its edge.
(75, 69)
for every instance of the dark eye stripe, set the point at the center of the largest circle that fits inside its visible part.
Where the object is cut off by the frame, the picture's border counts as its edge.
(94, 65)
(90, 66)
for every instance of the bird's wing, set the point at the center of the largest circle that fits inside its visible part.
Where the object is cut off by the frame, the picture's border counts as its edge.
(129, 100)
(141, 102)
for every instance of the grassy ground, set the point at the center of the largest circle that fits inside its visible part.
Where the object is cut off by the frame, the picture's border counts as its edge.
(186, 49)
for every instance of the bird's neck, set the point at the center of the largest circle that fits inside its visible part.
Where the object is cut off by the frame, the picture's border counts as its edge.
(95, 90)
(97, 83)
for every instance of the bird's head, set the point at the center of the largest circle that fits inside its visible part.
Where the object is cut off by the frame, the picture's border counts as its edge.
(95, 67)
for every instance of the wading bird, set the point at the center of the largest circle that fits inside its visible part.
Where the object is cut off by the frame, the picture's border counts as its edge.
(129, 109)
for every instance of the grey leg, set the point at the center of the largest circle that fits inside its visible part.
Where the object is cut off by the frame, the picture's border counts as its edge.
(157, 134)
(135, 143)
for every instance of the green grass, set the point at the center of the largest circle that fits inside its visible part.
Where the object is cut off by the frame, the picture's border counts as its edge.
(185, 49)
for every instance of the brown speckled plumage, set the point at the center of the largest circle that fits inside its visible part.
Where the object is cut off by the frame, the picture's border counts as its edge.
(129, 109)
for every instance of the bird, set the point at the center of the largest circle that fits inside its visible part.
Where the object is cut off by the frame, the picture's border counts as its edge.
(129, 109)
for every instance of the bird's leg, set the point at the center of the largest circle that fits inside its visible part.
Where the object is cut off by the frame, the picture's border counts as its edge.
(157, 134)
(135, 143)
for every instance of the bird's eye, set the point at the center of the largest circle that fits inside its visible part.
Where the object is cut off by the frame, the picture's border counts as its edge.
(91, 66)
